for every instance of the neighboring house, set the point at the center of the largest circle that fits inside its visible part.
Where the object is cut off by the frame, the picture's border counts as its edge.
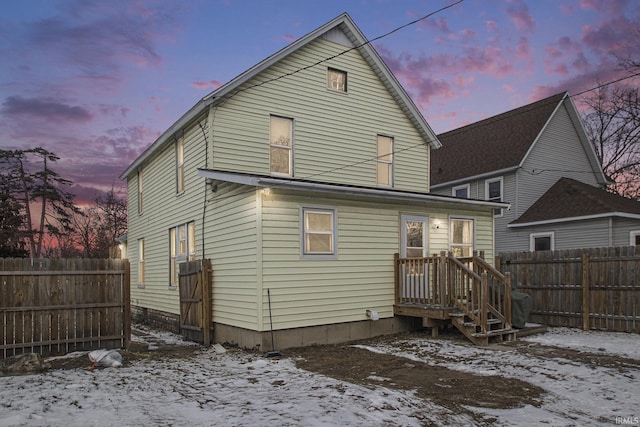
(300, 179)
(538, 159)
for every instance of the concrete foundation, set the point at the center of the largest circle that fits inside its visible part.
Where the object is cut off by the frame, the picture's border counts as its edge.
(312, 335)
(286, 338)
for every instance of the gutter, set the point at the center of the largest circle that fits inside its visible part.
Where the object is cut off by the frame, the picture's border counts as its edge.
(320, 187)
(468, 179)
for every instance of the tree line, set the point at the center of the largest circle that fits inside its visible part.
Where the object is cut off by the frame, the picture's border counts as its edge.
(39, 217)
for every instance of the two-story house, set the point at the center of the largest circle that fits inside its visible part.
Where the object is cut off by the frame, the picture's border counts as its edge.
(300, 179)
(538, 159)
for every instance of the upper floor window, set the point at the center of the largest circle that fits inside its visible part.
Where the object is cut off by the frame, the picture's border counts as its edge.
(180, 165)
(461, 191)
(318, 231)
(281, 144)
(336, 80)
(493, 192)
(385, 161)
(634, 239)
(182, 242)
(541, 242)
(141, 277)
(140, 192)
(461, 237)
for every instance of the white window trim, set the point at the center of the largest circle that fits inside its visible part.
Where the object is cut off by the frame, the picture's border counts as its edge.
(534, 236)
(180, 175)
(460, 187)
(632, 237)
(390, 163)
(174, 258)
(473, 237)
(486, 193)
(141, 264)
(303, 233)
(289, 147)
(403, 233)
(140, 192)
(346, 80)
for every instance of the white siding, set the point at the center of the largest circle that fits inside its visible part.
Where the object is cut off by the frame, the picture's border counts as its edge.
(307, 292)
(164, 209)
(334, 133)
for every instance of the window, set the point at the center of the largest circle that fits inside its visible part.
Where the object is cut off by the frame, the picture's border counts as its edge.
(318, 232)
(493, 192)
(541, 242)
(140, 199)
(182, 242)
(385, 161)
(180, 165)
(461, 191)
(461, 237)
(634, 239)
(141, 263)
(281, 145)
(336, 80)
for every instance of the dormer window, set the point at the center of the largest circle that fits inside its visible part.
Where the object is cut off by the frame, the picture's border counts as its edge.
(337, 80)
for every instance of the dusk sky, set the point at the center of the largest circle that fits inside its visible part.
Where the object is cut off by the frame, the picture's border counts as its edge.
(96, 82)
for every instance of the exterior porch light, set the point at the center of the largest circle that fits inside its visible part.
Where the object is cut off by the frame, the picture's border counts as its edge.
(266, 191)
(436, 224)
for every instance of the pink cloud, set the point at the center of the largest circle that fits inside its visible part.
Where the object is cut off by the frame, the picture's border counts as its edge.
(439, 24)
(289, 38)
(491, 25)
(468, 34)
(211, 84)
(518, 11)
(523, 49)
(508, 88)
(611, 36)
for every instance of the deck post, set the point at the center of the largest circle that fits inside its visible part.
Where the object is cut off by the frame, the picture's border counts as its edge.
(396, 277)
(484, 301)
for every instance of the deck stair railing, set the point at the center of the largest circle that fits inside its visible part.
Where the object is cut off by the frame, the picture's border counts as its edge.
(479, 294)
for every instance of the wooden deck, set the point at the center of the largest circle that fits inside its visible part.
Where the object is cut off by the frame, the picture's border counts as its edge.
(466, 292)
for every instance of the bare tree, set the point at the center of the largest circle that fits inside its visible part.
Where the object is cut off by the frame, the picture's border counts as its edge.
(613, 126)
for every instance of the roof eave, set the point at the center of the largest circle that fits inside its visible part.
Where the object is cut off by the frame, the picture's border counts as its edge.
(322, 187)
(576, 218)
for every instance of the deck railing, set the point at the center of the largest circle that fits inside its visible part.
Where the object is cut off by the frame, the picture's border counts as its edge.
(469, 284)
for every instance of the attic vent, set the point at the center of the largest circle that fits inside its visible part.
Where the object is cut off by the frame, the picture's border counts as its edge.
(336, 35)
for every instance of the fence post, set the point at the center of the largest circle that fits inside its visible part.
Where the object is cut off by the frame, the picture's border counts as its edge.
(507, 297)
(585, 292)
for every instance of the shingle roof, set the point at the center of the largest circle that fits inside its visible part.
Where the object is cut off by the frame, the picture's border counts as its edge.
(568, 198)
(499, 142)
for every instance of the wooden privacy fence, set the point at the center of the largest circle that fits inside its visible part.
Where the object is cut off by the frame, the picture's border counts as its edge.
(55, 306)
(597, 288)
(195, 300)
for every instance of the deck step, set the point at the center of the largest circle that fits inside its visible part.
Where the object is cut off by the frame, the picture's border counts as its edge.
(489, 322)
(495, 332)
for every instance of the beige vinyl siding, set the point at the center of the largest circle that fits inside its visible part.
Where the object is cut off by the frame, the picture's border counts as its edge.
(232, 243)
(334, 136)
(163, 210)
(307, 291)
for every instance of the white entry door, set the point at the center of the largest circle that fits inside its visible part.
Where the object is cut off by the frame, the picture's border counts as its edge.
(414, 236)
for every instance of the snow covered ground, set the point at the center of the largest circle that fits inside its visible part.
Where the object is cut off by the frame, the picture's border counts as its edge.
(241, 389)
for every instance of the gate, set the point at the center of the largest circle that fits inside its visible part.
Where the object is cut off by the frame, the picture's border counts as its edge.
(195, 301)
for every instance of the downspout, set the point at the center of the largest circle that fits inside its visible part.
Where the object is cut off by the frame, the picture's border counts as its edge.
(610, 231)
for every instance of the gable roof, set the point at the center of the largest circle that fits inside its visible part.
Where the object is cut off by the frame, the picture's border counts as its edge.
(351, 36)
(501, 143)
(570, 200)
